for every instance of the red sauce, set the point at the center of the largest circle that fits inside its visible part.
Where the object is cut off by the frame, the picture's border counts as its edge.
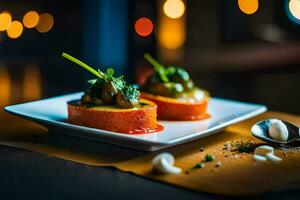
(204, 116)
(158, 128)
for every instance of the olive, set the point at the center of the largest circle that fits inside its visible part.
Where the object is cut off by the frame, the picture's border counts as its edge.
(180, 75)
(159, 89)
(123, 103)
(175, 88)
(189, 85)
(86, 98)
(166, 89)
(109, 91)
(177, 79)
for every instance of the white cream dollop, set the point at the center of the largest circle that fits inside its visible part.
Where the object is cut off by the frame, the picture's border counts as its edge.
(194, 96)
(164, 163)
(278, 130)
(264, 153)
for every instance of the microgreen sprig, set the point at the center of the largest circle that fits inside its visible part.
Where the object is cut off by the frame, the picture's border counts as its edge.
(160, 69)
(108, 76)
(166, 73)
(82, 64)
(131, 93)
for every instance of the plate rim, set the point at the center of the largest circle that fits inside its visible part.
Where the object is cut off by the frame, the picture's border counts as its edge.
(64, 125)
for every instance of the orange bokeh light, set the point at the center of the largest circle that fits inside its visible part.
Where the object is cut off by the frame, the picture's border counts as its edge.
(15, 29)
(31, 19)
(32, 83)
(171, 34)
(45, 23)
(5, 21)
(248, 6)
(143, 26)
(5, 86)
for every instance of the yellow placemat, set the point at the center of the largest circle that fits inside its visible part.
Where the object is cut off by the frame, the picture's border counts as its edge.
(238, 174)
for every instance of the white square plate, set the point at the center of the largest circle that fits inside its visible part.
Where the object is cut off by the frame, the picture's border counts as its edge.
(52, 113)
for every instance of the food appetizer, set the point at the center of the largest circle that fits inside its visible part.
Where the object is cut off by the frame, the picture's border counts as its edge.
(175, 94)
(111, 104)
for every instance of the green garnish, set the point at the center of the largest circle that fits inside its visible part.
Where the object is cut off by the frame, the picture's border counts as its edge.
(131, 94)
(242, 146)
(160, 69)
(108, 76)
(166, 74)
(168, 81)
(199, 165)
(82, 64)
(209, 158)
(105, 87)
(182, 74)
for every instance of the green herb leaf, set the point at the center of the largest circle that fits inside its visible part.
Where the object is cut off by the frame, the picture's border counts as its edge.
(241, 146)
(184, 75)
(131, 94)
(119, 82)
(110, 71)
(92, 81)
(209, 158)
(160, 69)
(199, 165)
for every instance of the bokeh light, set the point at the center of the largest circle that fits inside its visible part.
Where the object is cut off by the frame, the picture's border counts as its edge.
(294, 8)
(248, 6)
(171, 34)
(46, 22)
(31, 19)
(143, 26)
(5, 86)
(5, 20)
(174, 8)
(15, 29)
(32, 83)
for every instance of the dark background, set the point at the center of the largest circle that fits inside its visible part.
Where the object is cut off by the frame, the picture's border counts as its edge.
(253, 58)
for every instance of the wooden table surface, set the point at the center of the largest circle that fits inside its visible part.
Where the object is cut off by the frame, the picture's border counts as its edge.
(30, 175)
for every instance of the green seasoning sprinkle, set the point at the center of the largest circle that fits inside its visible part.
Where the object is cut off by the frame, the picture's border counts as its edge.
(199, 165)
(209, 158)
(242, 146)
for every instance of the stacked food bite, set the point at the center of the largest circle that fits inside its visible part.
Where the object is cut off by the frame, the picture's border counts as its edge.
(111, 104)
(175, 93)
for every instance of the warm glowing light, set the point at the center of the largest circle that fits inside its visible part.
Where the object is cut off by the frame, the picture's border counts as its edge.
(5, 86)
(143, 26)
(5, 21)
(294, 7)
(174, 8)
(45, 23)
(32, 83)
(31, 19)
(171, 34)
(248, 6)
(15, 30)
